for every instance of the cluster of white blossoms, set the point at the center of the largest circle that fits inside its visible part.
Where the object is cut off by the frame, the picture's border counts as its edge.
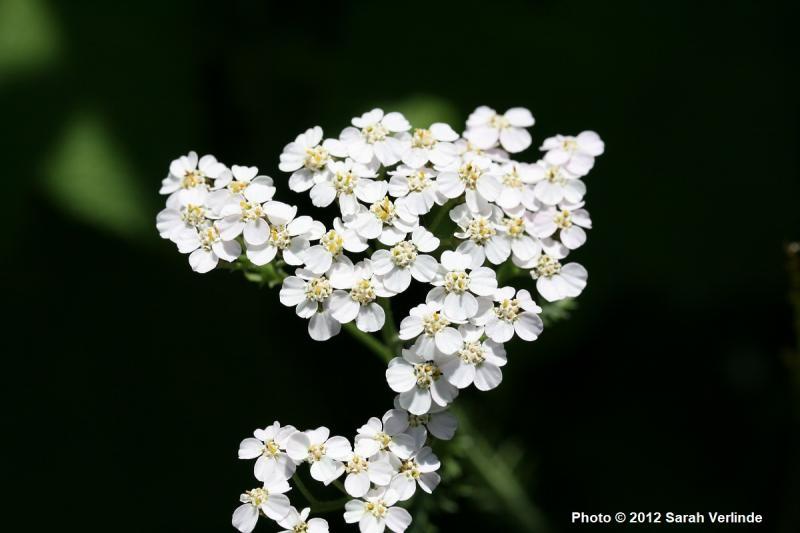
(428, 204)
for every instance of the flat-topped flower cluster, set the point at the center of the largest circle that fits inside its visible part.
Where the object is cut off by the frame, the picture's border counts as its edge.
(393, 186)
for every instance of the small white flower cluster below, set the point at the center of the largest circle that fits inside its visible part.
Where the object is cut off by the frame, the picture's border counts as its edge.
(395, 188)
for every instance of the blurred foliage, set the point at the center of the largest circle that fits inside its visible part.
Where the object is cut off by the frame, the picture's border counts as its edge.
(89, 177)
(29, 37)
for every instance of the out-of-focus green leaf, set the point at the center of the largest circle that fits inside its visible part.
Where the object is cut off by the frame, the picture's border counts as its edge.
(90, 178)
(422, 110)
(28, 36)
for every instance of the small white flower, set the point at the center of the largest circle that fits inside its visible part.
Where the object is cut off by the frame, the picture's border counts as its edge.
(311, 294)
(376, 512)
(246, 219)
(206, 247)
(576, 154)
(517, 231)
(268, 446)
(187, 172)
(419, 469)
(324, 454)
(467, 151)
(289, 235)
(240, 183)
(419, 382)
(456, 288)
(403, 261)
(485, 127)
(568, 220)
(476, 178)
(358, 303)
(556, 282)
(387, 221)
(331, 247)
(427, 324)
(434, 144)
(307, 160)
(512, 314)
(372, 137)
(558, 185)
(269, 499)
(516, 185)
(415, 188)
(385, 435)
(362, 471)
(186, 210)
(440, 422)
(295, 522)
(483, 232)
(348, 182)
(476, 362)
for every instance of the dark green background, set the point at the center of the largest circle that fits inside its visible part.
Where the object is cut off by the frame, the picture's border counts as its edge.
(132, 379)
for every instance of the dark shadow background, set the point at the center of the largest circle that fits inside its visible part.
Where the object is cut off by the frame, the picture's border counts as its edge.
(132, 379)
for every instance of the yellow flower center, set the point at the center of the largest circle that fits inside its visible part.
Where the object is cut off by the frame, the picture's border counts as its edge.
(192, 178)
(410, 469)
(251, 211)
(418, 420)
(316, 158)
(318, 289)
(208, 236)
(279, 236)
(499, 121)
(344, 182)
(193, 214)
(403, 254)
(422, 138)
(547, 266)
(256, 497)
(418, 181)
(480, 230)
(426, 374)
(512, 179)
(434, 323)
(363, 292)
(384, 210)
(374, 133)
(356, 465)
(457, 282)
(333, 242)
(378, 508)
(508, 309)
(515, 226)
(315, 452)
(237, 186)
(563, 219)
(470, 173)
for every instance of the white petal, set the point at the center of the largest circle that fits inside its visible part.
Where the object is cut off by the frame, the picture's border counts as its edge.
(357, 485)
(487, 377)
(245, 517)
(515, 139)
(398, 519)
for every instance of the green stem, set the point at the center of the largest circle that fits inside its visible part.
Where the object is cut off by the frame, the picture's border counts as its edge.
(441, 216)
(389, 330)
(312, 501)
(369, 341)
(329, 506)
(499, 475)
(338, 484)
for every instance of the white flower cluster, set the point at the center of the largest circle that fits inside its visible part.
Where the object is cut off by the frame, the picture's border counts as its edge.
(386, 179)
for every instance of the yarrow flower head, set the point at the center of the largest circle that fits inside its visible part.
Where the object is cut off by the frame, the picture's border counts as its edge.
(400, 193)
